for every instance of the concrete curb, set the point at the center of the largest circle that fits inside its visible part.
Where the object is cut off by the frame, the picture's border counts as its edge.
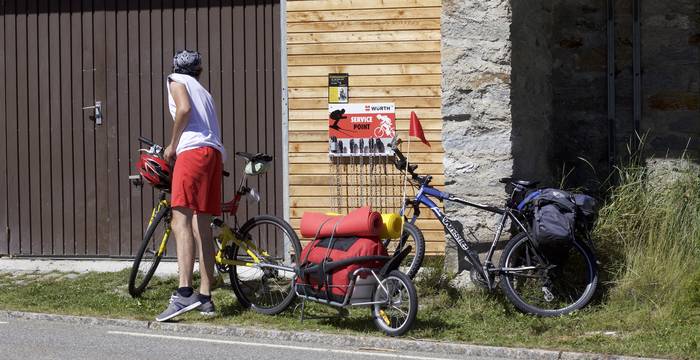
(421, 346)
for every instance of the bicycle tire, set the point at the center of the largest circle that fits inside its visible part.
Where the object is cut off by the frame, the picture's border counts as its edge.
(256, 287)
(571, 284)
(411, 235)
(148, 247)
(395, 322)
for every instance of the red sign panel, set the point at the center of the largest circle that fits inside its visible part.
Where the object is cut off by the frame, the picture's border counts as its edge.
(360, 129)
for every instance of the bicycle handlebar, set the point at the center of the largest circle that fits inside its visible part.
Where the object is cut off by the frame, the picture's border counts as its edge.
(146, 141)
(402, 164)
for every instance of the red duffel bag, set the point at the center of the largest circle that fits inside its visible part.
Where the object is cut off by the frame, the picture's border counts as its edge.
(329, 281)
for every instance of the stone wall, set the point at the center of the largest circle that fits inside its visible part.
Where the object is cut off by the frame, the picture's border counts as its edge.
(476, 68)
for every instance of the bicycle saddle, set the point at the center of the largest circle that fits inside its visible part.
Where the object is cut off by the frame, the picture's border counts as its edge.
(524, 183)
(254, 157)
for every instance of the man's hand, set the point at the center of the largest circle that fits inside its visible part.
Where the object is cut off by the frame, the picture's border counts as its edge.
(169, 154)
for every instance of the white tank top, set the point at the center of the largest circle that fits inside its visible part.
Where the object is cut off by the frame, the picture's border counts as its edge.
(203, 127)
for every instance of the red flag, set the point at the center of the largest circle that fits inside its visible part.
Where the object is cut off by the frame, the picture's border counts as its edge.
(415, 129)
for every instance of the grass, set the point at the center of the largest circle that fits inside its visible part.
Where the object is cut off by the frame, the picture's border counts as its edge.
(648, 239)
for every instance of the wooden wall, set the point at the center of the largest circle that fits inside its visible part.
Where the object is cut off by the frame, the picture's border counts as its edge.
(391, 49)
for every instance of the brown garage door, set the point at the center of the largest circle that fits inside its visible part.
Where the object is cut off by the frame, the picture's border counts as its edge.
(63, 180)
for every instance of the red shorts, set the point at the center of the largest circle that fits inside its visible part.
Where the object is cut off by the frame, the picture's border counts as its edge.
(197, 181)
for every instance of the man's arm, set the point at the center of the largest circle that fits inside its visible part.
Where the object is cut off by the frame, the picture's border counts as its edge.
(182, 117)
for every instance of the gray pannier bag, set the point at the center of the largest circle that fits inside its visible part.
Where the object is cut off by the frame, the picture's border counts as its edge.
(554, 219)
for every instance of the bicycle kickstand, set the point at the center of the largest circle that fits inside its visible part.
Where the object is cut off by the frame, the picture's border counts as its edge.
(303, 303)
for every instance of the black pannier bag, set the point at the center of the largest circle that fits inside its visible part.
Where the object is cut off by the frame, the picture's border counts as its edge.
(554, 220)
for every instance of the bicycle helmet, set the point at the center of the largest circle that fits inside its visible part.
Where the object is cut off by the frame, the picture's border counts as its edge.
(155, 170)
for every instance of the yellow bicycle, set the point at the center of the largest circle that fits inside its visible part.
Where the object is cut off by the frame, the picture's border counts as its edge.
(259, 256)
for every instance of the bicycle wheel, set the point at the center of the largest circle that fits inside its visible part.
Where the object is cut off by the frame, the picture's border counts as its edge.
(411, 236)
(548, 285)
(265, 288)
(396, 312)
(147, 259)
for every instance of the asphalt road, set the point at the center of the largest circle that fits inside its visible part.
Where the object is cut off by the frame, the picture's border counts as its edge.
(34, 339)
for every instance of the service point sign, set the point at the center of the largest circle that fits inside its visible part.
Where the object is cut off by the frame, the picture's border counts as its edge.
(361, 129)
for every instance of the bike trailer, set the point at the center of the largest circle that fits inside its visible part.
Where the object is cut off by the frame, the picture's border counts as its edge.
(329, 267)
(339, 258)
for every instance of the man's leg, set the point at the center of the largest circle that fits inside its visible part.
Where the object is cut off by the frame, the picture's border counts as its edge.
(185, 299)
(184, 239)
(202, 234)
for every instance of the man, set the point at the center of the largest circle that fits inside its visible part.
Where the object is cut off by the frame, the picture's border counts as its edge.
(196, 184)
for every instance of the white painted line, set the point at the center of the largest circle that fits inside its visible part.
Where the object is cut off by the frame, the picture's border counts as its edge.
(4, 322)
(276, 346)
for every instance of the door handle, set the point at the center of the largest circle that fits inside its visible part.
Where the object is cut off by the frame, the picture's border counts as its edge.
(98, 112)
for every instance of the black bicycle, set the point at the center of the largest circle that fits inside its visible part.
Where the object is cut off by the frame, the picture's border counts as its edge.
(535, 279)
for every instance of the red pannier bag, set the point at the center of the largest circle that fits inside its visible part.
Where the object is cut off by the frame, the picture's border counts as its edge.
(333, 285)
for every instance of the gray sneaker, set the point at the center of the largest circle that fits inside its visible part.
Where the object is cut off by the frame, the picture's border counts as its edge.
(207, 308)
(179, 305)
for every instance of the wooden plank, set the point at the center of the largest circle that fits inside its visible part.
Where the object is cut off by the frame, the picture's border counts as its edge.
(4, 226)
(66, 98)
(262, 121)
(190, 24)
(359, 59)
(111, 118)
(325, 179)
(56, 173)
(322, 169)
(357, 4)
(364, 47)
(78, 247)
(134, 128)
(277, 43)
(202, 47)
(45, 139)
(423, 224)
(372, 80)
(364, 14)
(168, 50)
(13, 199)
(319, 147)
(322, 158)
(144, 103)
(296, 136)
(214, 62)
(328, 190)
(103, 221)
(314, 125)
(251, 99)
(161, 62)
(314, 202)
(239, 92)
(271, 122)
(400, 114)
(228, 100)
(33, 141)
(89, 128)
(379, 69)
(128, 222)
(399, 102)
(364, 25)
(361, 91)
(363, 36)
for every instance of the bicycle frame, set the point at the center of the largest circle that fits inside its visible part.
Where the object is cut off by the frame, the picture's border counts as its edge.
(424, 195)
(227, 235)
